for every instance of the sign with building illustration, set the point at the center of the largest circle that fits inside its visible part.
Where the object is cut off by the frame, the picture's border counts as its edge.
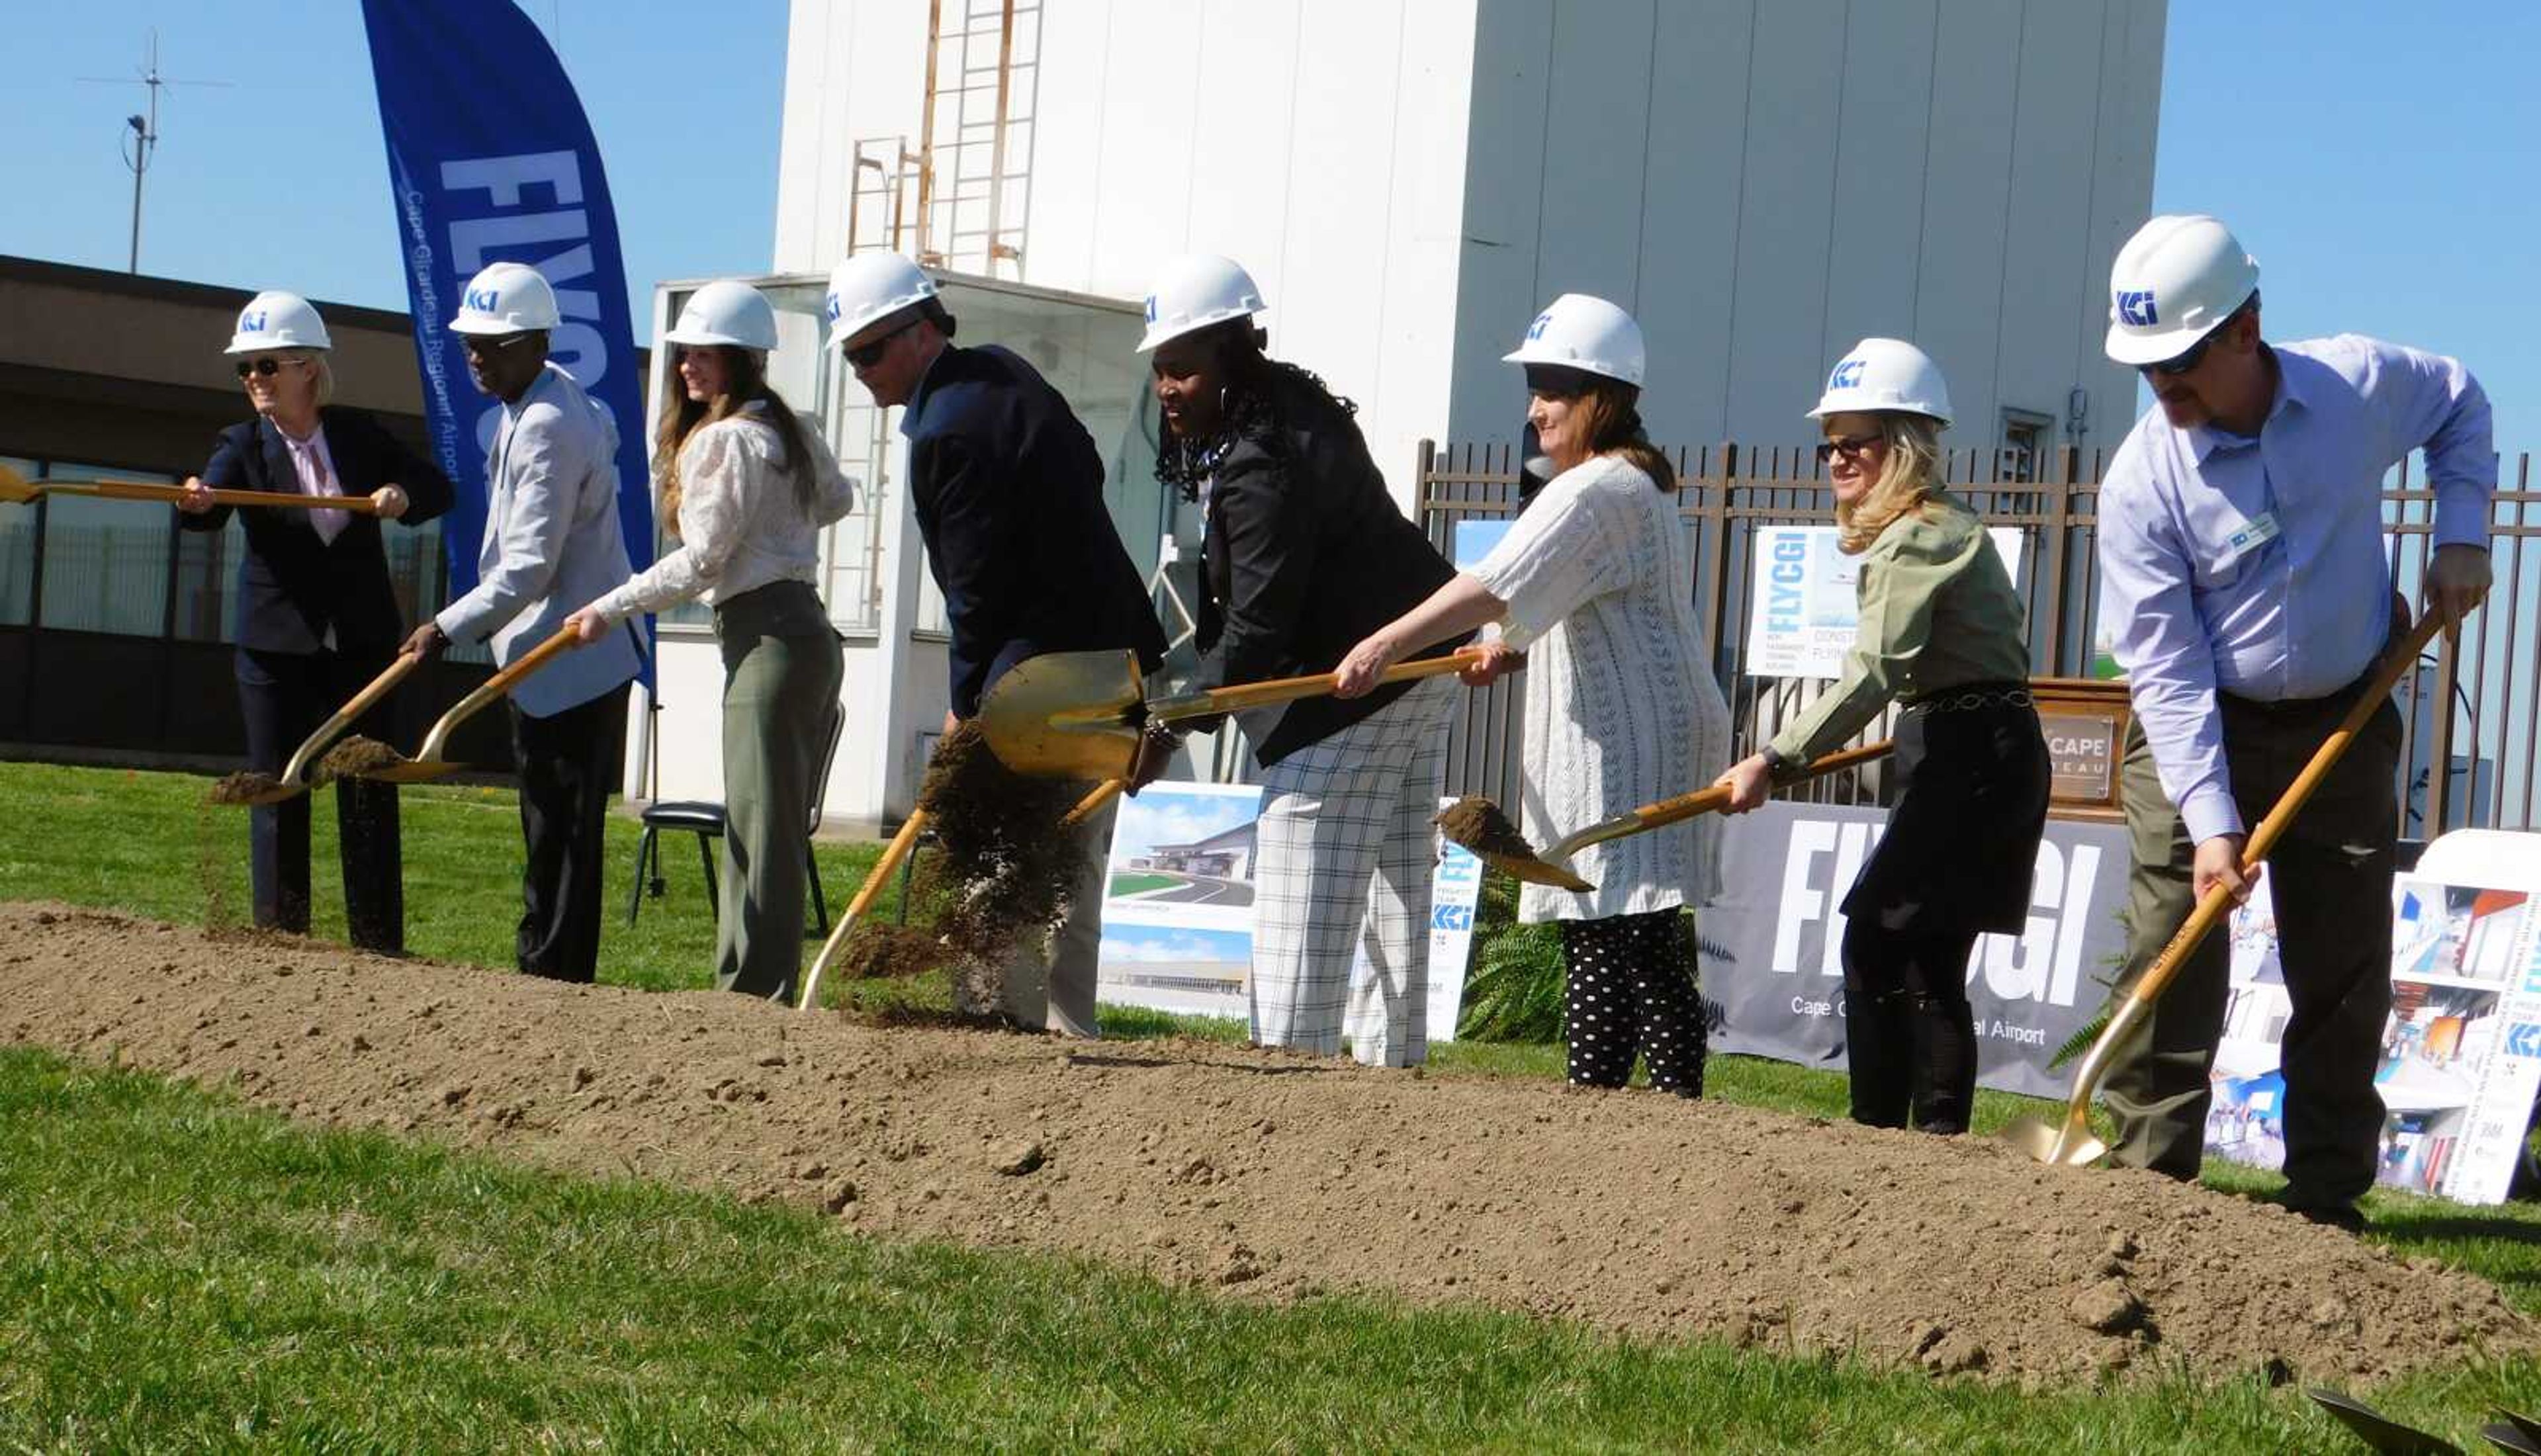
(2460, 1058)
(1179, 905)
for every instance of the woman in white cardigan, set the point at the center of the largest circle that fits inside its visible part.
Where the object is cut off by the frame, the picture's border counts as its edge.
(1594, 583)
(749, 485)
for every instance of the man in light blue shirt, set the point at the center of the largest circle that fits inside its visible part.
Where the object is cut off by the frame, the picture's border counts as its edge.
(552, 544)
(2247, 595)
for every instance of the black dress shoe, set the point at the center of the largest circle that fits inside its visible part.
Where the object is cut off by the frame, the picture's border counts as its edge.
(2346, 1219)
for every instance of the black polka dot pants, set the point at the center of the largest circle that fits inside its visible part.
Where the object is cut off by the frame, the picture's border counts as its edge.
(1630, 993)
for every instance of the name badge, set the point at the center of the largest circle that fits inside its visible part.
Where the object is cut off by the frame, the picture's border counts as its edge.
(2261, 529)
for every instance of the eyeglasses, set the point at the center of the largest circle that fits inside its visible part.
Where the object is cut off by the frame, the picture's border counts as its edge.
(869, 353)
(263, 369)
(1850, 447)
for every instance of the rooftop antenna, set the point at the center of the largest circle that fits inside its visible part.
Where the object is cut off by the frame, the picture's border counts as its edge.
(140, 136)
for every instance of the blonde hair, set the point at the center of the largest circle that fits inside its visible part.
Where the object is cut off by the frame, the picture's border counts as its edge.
(322, 374)
(1909, 480)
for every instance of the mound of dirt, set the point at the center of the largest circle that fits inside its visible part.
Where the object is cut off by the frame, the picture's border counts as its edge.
(1269, 1175)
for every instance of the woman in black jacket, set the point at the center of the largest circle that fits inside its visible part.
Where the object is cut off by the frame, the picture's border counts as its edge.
(1305, 555)
(316, 618)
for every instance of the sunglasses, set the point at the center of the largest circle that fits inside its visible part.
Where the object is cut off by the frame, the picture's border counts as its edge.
(481, 344)
(1852, 447)
(869, 353)
(263, 369)
(2180, 364)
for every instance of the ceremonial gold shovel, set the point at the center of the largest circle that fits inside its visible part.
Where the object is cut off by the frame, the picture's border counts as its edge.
(17, 487)
(1551, 864)
(2070, 1142)
(1078, 715)
(428, 762)
(897, 850)
(295, 774)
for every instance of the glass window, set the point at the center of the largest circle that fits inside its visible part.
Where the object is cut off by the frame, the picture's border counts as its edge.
(17, 552)
(207, 567)
(105, 562)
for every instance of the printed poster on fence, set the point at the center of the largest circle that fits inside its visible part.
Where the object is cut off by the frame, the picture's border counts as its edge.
(2460, 1057)
(1802, 621)
(1178, 904)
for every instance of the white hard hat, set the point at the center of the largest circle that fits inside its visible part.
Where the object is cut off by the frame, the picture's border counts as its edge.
(1196, 291)
(726, 313)
(506, 298)
(1582, 331)
(275, 319)
(1878, 375)
(2177, 278)
(869, 285)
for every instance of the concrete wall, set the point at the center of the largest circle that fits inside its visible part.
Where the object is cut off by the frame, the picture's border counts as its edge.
(1763, 181)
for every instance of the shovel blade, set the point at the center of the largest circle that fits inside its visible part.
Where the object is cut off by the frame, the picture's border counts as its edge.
(2380, 1431)
(1067, 714)
(2068, 1143)
(1533, 871)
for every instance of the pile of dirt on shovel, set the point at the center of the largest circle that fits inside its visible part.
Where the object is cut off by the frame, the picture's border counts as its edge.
(243, 787)
(1272, 1175)
(1483, 827)
(1001, 874)
(350, 759)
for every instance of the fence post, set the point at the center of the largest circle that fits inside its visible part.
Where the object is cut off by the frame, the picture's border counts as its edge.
(1715, 509)
(2056, 499)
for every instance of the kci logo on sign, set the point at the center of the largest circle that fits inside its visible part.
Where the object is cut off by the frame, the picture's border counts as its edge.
(2523, 1039)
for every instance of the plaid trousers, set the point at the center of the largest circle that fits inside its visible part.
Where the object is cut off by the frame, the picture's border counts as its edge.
(1345, 851)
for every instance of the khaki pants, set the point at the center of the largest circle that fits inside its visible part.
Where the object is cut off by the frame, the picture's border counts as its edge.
(1049, 981)
(2330, 880)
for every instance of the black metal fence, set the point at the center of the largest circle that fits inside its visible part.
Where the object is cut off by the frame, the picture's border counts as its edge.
(2473, 759)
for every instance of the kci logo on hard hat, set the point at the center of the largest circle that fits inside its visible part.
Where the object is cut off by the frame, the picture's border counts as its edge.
(250, 323)
(2135, 307)
(1846, 375)
(484, 300)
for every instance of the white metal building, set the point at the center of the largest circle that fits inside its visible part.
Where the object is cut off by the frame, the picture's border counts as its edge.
(1760, 182)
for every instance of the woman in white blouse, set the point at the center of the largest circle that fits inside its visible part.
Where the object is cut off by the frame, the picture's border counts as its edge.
(747, 486)
(1595, 580)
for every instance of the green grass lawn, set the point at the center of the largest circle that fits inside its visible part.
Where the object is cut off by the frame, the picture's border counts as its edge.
(179, 1271)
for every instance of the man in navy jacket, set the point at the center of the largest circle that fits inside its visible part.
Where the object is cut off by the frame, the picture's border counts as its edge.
(1007, 487)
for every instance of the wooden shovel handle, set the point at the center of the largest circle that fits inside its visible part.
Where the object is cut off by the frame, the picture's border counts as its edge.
(1086, 808)
(148, 490)
(561, 639)
(1709, 801)
(1241, 696)
(892, 854)
(2218, 902)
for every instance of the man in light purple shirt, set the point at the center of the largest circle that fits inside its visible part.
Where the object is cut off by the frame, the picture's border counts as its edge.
(2247, 595)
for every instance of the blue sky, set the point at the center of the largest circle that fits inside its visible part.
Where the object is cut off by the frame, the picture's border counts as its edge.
(2378, 159)
(279, 180)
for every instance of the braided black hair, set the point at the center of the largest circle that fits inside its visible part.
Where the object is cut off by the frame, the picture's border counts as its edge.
(1251, 408)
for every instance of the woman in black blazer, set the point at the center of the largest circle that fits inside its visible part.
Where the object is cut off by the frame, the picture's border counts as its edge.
(316, 617)
(1306, 553)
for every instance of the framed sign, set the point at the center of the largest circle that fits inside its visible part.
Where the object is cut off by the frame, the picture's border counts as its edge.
(2085, 723)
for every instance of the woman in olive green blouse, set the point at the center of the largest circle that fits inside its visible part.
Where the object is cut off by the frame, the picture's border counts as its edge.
(1941, 630)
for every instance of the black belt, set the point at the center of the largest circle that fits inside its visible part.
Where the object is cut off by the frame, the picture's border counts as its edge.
(2334, 702)
(1968, 697)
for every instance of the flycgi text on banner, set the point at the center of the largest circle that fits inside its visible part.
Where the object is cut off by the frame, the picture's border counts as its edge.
(491, 160)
